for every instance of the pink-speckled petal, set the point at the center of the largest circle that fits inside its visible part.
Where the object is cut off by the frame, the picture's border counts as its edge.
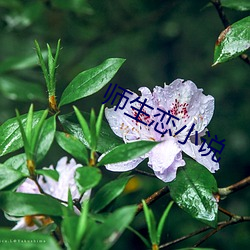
(165, 158)
(193, 151)
(187, 102)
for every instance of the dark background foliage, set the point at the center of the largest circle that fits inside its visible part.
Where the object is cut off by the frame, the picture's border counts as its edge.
(162, 41)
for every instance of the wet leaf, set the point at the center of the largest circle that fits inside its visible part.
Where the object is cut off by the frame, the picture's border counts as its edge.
(193, 191)
(10, 135)
(233, 41)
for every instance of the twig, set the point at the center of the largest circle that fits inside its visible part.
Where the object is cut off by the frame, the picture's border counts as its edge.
(224, 211)
(235, 220)
(226, 23)
(144, 173)
(223, 192)
(152, 198)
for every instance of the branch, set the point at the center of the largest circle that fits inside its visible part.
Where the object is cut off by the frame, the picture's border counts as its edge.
(152, 198)
(226, 23)
(235, 220)
(223, 192)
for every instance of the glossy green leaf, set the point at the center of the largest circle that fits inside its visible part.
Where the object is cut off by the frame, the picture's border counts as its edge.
(73, 146)
(193, 191)
(10, 136)
(127, 152)
(18, 162)
(107, 139)
(87, 177)
(46, 138)
(233, 41)
(241, 5)
(16, 240)
(108, 193)
(90, 81)
(20, 204)
(9, 175)
(19, 90)
(105, 235)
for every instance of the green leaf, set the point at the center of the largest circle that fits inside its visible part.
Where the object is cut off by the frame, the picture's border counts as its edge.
(69, 230)
(10, 136)
(20, 204)
(78, 6)
(87, 177)
(99, 122)
(92, 128)
(151, 223)
(84, 125)
(53, 174)
(143, 239)
(8, 176)
(19, 90)
(233, 41)
(74, 228)
(90, 81)
(162, 221)
(73, 146)
(16, 240)
(46, 138)
(241, 5)
(18, 162)
(108, 193)
(106, 234)
(107, 139)
(127, 152)
(193, 191)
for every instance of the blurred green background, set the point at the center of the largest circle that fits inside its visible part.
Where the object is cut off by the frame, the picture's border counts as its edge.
(162, 41)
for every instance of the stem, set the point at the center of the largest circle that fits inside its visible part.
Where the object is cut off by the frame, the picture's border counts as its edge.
(152, 198)
(226, 23)
(224, 192)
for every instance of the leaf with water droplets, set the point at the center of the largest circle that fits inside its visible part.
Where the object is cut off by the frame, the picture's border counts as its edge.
(232, 41)
(193, 190)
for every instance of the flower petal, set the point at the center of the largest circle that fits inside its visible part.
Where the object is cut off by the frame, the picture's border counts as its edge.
(187, 102)
(165, 158)
(193, 151)
(29, 187)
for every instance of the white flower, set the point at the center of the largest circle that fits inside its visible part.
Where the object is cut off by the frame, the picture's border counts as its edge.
(58, 189)
(180, 99)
